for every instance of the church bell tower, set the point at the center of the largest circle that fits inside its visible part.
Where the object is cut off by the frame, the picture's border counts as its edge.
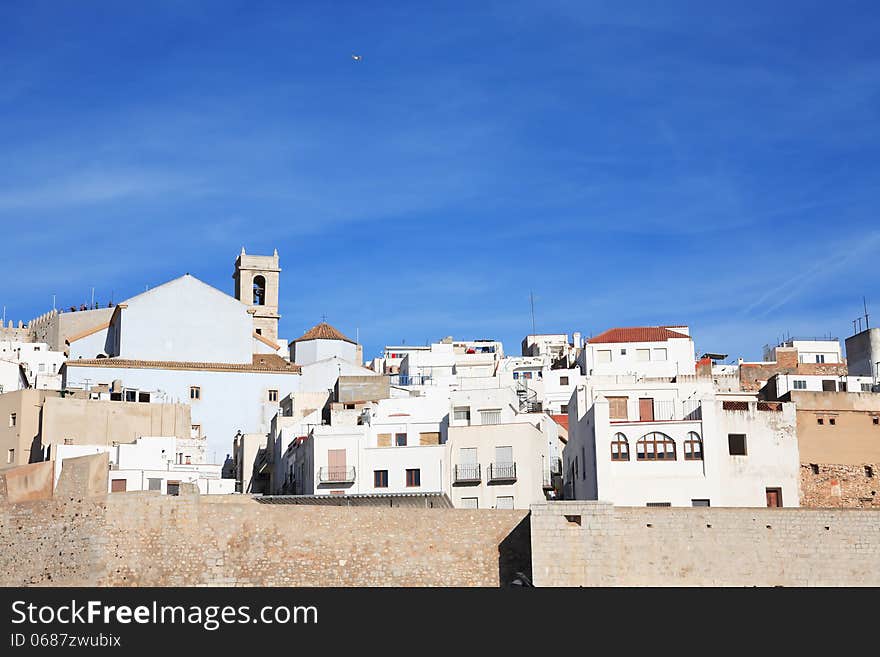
(256, 286)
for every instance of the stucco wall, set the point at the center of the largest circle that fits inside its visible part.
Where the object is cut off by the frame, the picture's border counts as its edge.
(630, 546)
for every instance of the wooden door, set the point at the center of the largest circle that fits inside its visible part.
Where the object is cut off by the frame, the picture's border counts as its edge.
(118, 486)
(774, 497)
(646, 409)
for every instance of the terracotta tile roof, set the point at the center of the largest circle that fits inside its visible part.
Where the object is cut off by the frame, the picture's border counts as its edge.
(561, 420)
(266, 341)
(637, 334)
(323, 331)
(261, 363)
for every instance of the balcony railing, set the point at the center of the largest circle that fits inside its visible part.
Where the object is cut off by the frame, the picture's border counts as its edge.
(335, 475)
(467, 473)
(411, 380)
(502, 472)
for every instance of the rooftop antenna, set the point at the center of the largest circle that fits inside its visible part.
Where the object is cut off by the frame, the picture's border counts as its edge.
(865, 305)
(532, 303)
(53, 302)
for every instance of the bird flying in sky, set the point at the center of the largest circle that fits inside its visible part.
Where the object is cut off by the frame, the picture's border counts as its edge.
(358, 58)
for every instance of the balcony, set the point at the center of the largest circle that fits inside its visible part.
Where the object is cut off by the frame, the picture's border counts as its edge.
(335, 475)
(499, 472)
(467, 473)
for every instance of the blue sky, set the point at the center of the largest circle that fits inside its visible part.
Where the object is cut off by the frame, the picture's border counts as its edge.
(632, 165)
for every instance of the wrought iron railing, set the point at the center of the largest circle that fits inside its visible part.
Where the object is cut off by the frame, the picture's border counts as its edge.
(335, 475)
(467, 472)
(502, 472)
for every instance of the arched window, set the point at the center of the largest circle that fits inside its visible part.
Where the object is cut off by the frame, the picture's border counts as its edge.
(693, 447)
(619, 448)
(259, 291)
(655, 446)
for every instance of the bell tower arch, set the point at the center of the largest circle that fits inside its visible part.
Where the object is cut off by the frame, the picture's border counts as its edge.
(256, 285)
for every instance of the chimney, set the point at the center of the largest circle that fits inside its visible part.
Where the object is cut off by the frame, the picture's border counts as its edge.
(576, 338)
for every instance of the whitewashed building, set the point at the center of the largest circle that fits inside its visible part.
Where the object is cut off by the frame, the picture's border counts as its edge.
(193, 343)
(40, 366)
(679, 444)
(649, 351)
(149, 464)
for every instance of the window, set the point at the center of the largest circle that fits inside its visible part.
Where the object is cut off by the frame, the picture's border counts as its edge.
(503, 455)
(429, 438)
(273, 395)
(130, 395)
(41, 368)
(820, 420)
(619, 448)
(563, 380)
(659, 504)
(462, 413)
(869, 471)
(875, 420)
(380, 478)
(259, 331)
(623, 352)
(154, 484)
(660, 354)
(700, 503)
(774, 497)
(173, 488)
(820, 358)
(68, 441)
(413, 477)
(832, 421)
(655, 446)
(563, 409)
(195, 392)
(144, 397)
(12, 419)
(195, 431)
(617, 408)
(799, 384)
(490, 416)
(10, 456)
(505, 502)
(828, 385)
(603, 356)
(736, 444)
(866, 387)
(348, 407)
(400, 439)
(470, 503)
(814, 467)
(643, 355)
(693, 447)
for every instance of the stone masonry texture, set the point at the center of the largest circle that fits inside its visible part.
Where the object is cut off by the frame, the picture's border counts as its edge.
(597, 544)
(843, 486)
(80, 537)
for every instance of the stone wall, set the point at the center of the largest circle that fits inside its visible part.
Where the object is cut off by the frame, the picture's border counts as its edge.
(597, 544)
(82, 538)
(843, 486)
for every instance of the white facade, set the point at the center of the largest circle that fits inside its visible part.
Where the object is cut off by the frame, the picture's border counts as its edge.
(184, 320)
(149, 464)
(686, 454)
(227, 401)
(786, 383)
(304, 352)
(498, 466)
(816, 351)
(41, 366)
(658, 358)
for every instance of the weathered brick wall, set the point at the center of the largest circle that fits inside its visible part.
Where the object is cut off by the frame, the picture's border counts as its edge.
(146, 539)
(641, 546)
(842, 486)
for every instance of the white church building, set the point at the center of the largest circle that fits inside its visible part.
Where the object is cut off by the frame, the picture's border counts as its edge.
(190, 342)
